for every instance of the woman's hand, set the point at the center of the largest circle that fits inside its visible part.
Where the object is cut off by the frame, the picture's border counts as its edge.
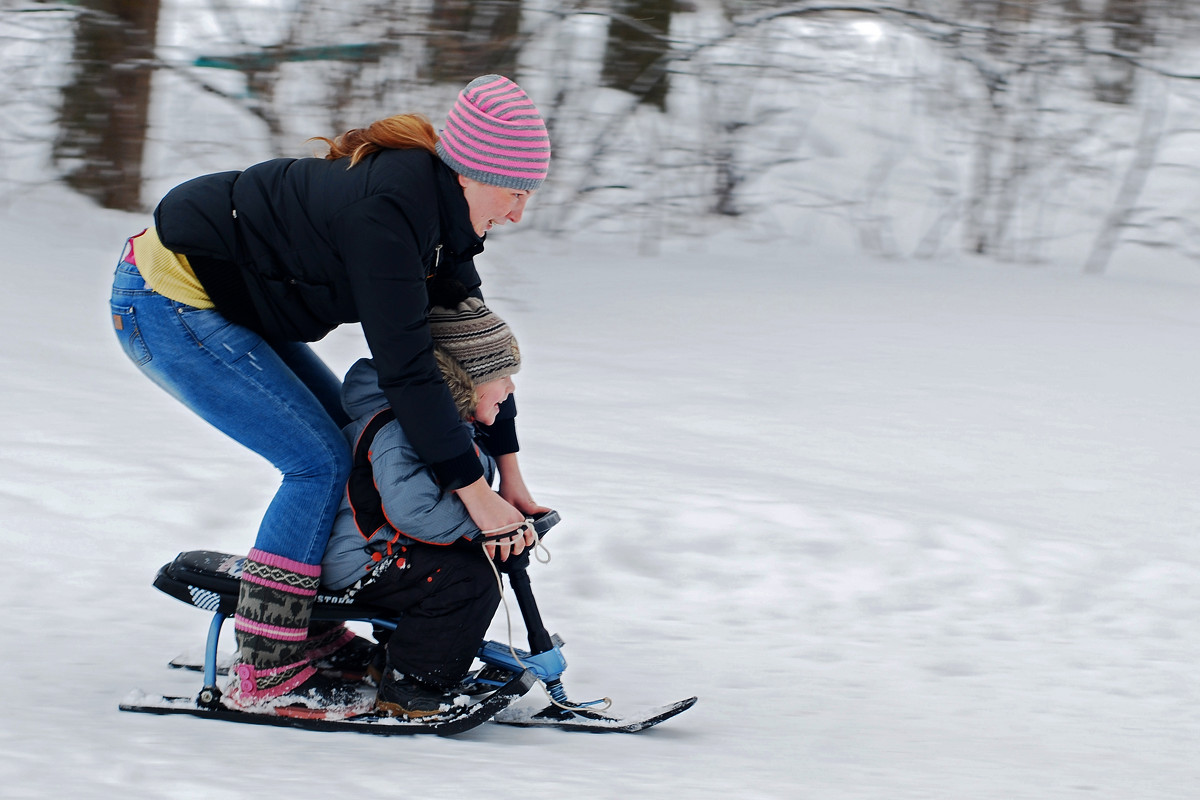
(513, 489)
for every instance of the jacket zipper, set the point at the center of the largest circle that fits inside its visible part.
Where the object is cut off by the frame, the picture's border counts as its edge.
(437, 260)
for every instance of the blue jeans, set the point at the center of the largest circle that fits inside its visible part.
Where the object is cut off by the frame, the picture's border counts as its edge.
(279, 400)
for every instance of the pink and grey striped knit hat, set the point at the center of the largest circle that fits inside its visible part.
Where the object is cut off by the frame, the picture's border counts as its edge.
(495, 135)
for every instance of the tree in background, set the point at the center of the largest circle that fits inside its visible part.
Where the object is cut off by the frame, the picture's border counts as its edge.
(468, 38)
(106, 106)
(999, 127)
(635, 49)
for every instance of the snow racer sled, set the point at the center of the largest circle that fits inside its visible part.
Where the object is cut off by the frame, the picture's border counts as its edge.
(210, 581)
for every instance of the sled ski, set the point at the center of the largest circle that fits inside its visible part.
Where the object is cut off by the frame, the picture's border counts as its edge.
(454, 720)
(588, 721)
(578, 719)
(210, 581)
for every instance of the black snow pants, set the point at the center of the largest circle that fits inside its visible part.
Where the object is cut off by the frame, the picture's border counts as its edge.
(444, 598)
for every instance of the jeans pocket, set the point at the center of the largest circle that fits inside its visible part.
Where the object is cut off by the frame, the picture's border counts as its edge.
(125, 325)
(201, 323)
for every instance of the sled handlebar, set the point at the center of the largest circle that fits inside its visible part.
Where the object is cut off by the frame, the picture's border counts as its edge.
(540, 640)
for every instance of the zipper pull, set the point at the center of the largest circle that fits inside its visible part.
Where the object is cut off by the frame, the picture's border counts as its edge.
(437, 259)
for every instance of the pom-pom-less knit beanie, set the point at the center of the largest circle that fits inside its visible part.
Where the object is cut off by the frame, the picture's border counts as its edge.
(495, 135)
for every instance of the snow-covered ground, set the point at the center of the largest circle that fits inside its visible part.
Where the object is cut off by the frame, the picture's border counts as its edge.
(908, 530)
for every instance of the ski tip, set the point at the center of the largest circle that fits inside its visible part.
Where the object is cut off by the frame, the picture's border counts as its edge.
(585, 720)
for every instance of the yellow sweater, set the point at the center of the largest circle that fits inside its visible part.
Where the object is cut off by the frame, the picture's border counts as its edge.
(167, 272)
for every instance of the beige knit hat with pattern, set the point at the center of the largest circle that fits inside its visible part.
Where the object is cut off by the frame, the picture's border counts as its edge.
(477, 339)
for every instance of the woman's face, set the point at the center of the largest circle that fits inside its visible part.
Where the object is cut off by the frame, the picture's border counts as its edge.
(492, 205)
(491, 395)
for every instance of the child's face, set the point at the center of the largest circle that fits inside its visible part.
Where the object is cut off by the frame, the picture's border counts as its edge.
(491, 395)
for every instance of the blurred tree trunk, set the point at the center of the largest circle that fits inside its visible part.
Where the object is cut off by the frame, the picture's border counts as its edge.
(637, 42)
(1124, 207)
(1130, 32)
(105, 108)
(469, 38)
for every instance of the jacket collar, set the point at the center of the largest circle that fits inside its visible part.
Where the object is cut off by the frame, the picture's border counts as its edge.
(457, 233)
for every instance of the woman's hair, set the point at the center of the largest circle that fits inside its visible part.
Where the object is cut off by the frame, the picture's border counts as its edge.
(401, 132)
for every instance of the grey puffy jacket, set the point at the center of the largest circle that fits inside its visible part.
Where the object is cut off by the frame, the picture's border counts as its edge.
(417, 509)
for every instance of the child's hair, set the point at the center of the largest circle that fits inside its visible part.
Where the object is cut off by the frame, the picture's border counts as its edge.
(401, 132)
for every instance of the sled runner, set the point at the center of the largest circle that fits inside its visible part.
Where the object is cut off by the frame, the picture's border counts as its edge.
(455, 719)
(210, 581)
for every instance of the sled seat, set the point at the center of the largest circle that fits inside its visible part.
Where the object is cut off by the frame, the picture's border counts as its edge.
(210, 580)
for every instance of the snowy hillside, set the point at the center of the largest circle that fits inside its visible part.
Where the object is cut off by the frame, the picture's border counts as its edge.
(908, 531)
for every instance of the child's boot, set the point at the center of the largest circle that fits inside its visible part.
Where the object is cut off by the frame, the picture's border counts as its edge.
(401, 696)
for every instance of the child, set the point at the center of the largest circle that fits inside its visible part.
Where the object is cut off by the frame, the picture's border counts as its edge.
(402, 543)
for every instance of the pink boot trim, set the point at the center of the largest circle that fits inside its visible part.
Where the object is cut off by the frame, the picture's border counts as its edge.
(243, 690)
(245, 625)
(272, 560)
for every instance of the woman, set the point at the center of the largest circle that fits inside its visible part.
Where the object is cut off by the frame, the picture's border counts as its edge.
(216, 300)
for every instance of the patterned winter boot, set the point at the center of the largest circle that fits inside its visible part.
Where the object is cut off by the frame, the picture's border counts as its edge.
(273, 675)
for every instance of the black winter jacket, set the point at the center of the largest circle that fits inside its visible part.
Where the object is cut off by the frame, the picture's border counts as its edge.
(291, 248)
